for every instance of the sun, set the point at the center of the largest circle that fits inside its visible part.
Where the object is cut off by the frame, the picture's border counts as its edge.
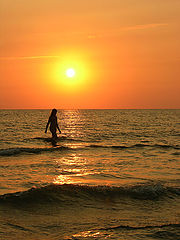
(70, 73)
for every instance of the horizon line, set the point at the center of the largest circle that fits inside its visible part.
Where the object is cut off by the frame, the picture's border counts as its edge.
(90, 108)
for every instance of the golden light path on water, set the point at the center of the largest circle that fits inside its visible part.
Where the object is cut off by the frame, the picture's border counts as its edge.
(96, 167)
(79, 174)
(75, 169)
(88, 234)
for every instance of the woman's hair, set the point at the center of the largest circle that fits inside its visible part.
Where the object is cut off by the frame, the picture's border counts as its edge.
(54, 111)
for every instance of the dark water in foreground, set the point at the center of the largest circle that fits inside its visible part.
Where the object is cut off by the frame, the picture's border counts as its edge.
(114, 174)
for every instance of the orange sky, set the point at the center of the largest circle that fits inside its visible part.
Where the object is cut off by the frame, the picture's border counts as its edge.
(126, 54)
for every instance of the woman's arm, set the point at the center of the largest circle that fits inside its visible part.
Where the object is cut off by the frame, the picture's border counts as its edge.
(58, 126)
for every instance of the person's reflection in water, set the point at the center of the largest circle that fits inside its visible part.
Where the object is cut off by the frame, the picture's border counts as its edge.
(53, 126)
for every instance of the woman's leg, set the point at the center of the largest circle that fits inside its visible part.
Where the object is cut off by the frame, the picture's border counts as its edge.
(54, 135)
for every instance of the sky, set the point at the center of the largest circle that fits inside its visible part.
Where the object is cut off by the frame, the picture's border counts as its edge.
(124, 54)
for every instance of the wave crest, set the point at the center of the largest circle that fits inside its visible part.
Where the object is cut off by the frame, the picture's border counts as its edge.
(21, 150)
(72, 193)
(24, 150)
(138, 145)
(142, 227)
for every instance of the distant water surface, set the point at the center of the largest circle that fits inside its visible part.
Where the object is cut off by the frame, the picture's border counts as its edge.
(113, 174)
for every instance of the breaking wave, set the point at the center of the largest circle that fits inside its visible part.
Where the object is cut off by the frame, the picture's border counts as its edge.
(25, 150)
(138, 145)
(72, 193)
(141, 227)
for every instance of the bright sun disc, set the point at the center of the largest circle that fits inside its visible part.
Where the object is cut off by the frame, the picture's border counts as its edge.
(70, 73)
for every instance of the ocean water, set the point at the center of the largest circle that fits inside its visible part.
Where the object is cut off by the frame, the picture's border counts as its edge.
(113, 174)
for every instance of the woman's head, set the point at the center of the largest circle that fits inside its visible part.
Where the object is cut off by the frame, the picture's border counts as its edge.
(54, 111)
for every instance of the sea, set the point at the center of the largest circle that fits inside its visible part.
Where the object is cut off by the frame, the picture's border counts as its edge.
(112, 174)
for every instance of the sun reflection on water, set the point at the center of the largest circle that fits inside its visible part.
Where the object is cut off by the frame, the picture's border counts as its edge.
(77, 169)
(73, 159)
(73, 123)
(72, 169)
(88, 234)
(63, 180)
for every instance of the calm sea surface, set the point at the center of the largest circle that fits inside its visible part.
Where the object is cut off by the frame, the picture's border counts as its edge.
(113, 174)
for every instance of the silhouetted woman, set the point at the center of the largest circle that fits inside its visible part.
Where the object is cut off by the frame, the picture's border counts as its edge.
(53, 124)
